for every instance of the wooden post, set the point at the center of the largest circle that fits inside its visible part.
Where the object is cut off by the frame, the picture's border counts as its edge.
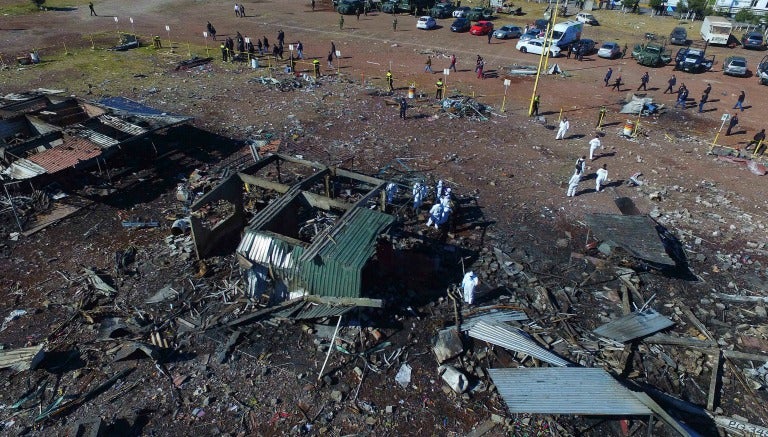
(330, 348)
(714, 382)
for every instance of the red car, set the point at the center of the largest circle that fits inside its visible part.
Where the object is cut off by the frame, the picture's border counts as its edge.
(481, 28)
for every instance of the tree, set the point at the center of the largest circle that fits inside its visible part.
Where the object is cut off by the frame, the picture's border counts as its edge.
(744, 16)
(39, 3)
(658, 6)
(700, 7)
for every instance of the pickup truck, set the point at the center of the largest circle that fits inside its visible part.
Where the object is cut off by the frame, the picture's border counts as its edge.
(651, 55)
(693, 60)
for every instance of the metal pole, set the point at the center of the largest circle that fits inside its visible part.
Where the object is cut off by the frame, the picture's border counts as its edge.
(13, 208)
(330, 348)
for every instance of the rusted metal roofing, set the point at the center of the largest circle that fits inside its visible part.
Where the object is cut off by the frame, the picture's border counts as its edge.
(71, 153)
(636, 234)
(566, 390)
(514, 339)
(634, 325)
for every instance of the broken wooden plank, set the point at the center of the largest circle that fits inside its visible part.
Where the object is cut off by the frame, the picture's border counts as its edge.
(738, 298)
(263, 312)
(714, 382)
(660, 338)
(739, 427)
(348, 301)
(745, 356)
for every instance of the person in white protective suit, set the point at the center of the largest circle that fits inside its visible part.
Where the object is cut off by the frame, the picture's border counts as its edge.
(434, 215)
(468, 284)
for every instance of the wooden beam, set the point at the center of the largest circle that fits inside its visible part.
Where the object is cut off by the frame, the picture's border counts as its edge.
(737, 298)
(263, 183)
(349, 301)
(322, 202)
(714, 382)
(659, 338)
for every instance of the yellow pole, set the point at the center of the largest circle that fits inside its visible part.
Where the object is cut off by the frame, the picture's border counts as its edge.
(757, 147)
(504, 100)
(541, 61)
(637, 124)
(560, 117)
(93, 45)
(189, 51)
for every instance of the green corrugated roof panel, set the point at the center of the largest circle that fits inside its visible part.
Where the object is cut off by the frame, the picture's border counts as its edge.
(336, 268)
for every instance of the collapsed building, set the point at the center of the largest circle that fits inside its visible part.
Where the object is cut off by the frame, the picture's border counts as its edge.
(44, 134)
(315, 230)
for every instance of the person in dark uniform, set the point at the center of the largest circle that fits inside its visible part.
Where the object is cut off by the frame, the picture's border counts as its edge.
(223, 52)
(403, 107)
(211, 30)
(266, 45)
(390, 81)
(93, 12)
(535, 109)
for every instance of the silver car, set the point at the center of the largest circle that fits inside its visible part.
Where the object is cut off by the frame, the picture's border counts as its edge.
(735, 66)
(506, 32)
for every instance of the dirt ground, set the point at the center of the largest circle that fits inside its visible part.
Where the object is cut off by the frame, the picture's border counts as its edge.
(508, 164)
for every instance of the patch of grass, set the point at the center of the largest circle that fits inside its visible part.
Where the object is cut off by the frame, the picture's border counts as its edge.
(26, 7)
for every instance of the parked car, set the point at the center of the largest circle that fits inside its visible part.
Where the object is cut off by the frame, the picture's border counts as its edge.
(482, 27)
(426, 22)
(753, 40)
(531, 34)
(609, 50)
(679, 36)
(585, 45)
(461, 11)
(349, 7)
(506, 32)
(536, 46)
(735, 66)
(762, 71)
(479, 13)
(441, 10)
(693, 60)
(461, 25)
(587, 19)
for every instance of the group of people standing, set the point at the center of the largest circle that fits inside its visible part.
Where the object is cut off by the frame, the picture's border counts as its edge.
(601, 175)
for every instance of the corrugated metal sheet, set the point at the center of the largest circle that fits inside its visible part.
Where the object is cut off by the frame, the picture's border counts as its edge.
(515, 339)
(23, 169)
(104, 141)
(634, 325)
(319, 311)
(335, 267)
(494, 316)
(122, 125)
(565, 390)
(634, 233)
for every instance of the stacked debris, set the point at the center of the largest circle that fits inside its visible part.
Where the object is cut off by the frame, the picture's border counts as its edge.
(462, 106)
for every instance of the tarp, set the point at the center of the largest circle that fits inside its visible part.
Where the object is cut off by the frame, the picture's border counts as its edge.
(635, 106)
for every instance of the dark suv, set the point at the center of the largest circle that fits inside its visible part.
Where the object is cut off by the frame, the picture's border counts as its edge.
(678, 36)
(753, 40)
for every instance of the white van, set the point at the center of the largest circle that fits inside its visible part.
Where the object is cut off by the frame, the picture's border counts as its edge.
(566, 33)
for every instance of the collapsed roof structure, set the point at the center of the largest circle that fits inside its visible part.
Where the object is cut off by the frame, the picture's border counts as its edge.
(44, 134)
(315, 235)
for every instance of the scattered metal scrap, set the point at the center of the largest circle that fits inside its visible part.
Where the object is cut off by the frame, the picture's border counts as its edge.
(638, 235)
(516, 340)
(20, 359)
(462, 106)
(192, 63)
(638, 324)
